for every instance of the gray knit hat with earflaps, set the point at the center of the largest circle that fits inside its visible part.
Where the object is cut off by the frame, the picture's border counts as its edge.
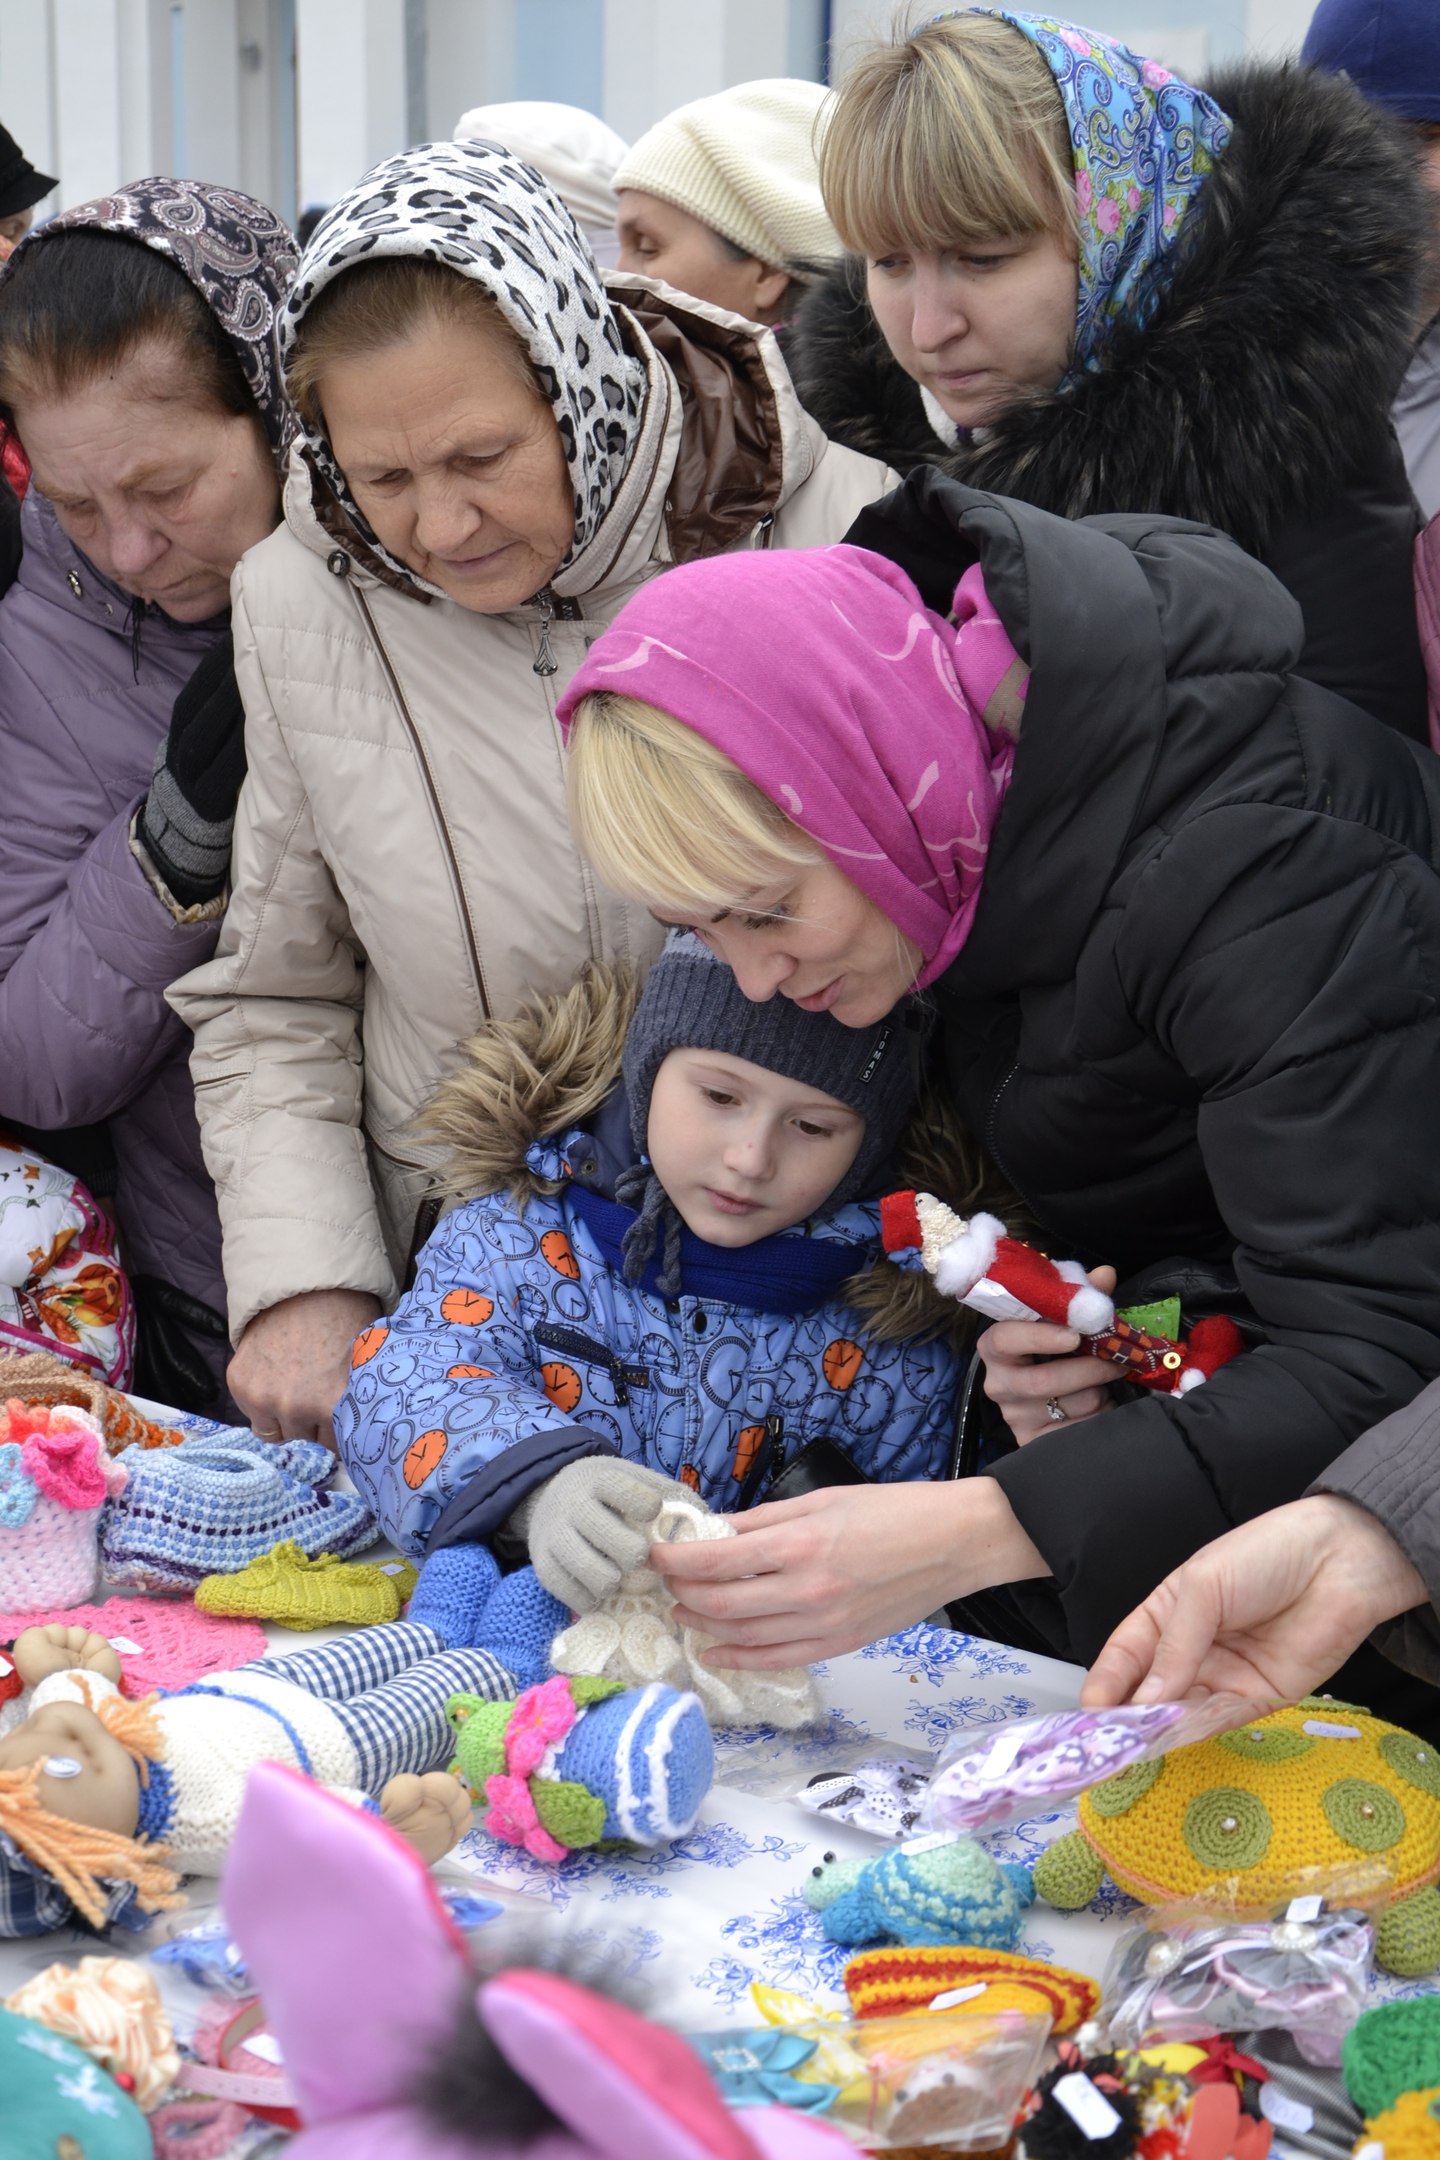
(691, 1001)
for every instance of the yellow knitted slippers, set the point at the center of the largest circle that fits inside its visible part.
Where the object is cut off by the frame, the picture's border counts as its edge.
(283, 1586)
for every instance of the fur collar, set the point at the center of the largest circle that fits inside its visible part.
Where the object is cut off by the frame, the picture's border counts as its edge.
(1259, 385)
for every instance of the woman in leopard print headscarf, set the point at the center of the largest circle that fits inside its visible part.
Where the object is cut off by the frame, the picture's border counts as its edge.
(496, 451)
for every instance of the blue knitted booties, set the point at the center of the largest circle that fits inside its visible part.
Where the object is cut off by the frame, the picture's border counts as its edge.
(952, 1893)
(462, 1595)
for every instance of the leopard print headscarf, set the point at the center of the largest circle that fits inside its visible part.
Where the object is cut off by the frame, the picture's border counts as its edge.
(487, 214)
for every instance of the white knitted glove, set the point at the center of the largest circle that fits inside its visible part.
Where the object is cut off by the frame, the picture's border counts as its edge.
(590, 1524)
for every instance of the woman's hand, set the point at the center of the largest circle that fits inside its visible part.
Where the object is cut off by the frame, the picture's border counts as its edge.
(41, 1651)
(809, 1578)
(293, 1362)
(1269, 1610)
(1027, 1366)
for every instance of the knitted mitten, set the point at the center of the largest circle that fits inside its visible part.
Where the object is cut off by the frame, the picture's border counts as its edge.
(462, 1595)
(579, 1762)
(285, 1587)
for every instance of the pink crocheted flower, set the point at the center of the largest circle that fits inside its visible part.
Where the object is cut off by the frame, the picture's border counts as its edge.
(541, 1716)
(512, 1819)
(63, 1454)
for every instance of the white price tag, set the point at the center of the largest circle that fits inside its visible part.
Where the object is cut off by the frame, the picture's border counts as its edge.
(1286, 2114)
(1086, 2105)
(1007, 1746)
(1305, 1908)
(392, 1567)
(1324, 1729)
(266, 2046)
(953, 1996)
(123, 1644)
(928, 1843)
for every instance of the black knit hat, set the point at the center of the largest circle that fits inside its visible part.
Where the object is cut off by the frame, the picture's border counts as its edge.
(21, 187)
(691, 1001)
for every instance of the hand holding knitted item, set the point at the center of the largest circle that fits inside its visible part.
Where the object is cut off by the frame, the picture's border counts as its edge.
(632, 1636)
(589, 1525)
(977, 1264)
(578, 1762)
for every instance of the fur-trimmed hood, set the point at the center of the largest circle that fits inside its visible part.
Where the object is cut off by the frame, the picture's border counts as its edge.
(1258, 385)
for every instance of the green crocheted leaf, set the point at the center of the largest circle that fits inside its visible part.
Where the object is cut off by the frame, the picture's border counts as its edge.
(1364, 1814)
(587, 1688)
(1117, 1795)
(1413, 1760)
(479, 1737)
(1068, 1874)
(571, 1813)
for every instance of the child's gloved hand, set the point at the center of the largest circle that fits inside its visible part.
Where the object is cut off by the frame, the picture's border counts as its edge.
(589, 1525)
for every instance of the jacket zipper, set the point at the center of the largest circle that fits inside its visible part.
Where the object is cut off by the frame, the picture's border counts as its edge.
(992, 1148)
(399, 696)
(551, 1335)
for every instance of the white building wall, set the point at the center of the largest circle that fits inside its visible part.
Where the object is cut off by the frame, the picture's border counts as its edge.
(293, 99)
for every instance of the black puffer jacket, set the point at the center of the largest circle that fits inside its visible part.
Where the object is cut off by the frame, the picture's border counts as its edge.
(1257, 396)
(1198, 1013)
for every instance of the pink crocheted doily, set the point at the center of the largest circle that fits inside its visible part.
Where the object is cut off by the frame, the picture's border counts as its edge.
(173, 1641)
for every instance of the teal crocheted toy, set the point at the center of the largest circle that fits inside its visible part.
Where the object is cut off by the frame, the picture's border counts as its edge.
(951, 1893)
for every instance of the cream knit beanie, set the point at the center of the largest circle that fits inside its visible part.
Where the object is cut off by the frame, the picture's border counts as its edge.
(743, 162)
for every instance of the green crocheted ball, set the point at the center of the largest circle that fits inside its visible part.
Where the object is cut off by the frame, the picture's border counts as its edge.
(1407, 1937)
(1068, 1874)
(1390, 2050)
(479, 1738)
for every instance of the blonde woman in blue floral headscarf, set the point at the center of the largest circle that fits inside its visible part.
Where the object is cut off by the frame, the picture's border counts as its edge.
(1079, 280)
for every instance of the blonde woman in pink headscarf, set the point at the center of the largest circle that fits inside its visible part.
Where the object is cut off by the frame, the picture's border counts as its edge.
(1175, 909)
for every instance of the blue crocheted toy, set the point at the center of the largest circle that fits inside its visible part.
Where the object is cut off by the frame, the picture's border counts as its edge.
(952, 1893)
(212, 1505)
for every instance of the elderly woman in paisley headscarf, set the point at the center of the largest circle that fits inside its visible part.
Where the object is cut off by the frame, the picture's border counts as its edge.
(137, 373)
(495, 454)
(1082, 282)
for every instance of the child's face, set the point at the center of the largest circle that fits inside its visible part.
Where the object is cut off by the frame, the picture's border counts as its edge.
(102, 1792)
(742, 1152)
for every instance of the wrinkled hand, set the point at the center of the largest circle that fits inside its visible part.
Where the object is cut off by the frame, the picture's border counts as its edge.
(431, 1813)
(1269, 1610)
(588, 1525)
(809, 1578)
(40, 1651)
(293, 1363)
(1026, 1365)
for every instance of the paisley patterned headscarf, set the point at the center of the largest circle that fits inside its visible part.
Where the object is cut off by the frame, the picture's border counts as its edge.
(485, 213)
(238, 255)
(1144, 145)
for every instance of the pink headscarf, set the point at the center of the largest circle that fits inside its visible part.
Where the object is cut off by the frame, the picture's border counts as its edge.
(876, 726)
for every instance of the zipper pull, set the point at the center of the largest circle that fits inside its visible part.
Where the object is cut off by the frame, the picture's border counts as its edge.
(544, 662)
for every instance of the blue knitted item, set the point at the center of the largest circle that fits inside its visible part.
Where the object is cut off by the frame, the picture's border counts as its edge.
(209, 1507)
(952, 1893)
(451, 1592)
(649, 1756)
(521, 1621)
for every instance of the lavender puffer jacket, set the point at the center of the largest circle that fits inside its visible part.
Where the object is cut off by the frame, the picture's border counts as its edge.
(87, 949)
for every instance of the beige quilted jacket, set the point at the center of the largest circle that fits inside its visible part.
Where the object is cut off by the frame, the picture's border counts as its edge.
(402, 865)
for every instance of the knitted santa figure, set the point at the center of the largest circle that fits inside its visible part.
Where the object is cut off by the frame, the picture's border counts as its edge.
(976, 1263)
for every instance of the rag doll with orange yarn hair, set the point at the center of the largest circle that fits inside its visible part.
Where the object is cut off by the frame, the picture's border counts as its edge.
(105, 1803)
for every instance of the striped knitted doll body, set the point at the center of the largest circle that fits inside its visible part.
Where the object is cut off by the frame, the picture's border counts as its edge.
(105, 1803)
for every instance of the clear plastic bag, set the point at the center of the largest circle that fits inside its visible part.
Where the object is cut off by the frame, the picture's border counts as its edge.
(990, 1777)
(1188, 1972)
(932, 2078)
(873, 1788)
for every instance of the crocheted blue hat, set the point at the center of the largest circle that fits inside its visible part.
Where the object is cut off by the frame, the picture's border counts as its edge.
(649, 1756)
(209, 1507)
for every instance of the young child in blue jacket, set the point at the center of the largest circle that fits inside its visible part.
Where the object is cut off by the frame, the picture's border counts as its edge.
(669, 1269)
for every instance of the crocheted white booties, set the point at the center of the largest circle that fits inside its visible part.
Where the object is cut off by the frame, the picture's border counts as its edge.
(632, 1637)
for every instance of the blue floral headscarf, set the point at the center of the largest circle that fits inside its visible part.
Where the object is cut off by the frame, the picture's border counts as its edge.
(1144, 145)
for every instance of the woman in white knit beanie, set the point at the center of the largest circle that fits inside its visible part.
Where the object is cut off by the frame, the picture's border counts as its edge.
(722, 199)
